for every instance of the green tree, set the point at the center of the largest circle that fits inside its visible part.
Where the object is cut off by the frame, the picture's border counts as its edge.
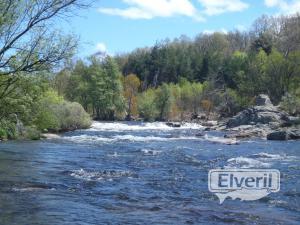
(131, 85)
(78, 87)
(106, 89)
(164, 101)
(146, 105)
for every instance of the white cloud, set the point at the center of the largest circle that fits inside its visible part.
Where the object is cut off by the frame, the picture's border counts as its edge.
(145, 9)
(222, 30)
(101, 47)
(215, 7)
(271, 3)
(149, 9)
(286, 7)
(240, 27)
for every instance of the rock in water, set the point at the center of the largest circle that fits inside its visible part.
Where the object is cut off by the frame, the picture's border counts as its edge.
(263, 113)
(284, 135)
(50, 136)
(278, 136)
(175, 125)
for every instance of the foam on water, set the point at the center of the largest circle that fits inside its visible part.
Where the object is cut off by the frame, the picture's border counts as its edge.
(150, 152)
(100, 139)
(260, 160)
(87, 139)
(117, 126)
(244, 162)
(272, 157)
(220, 140)
(150, 138)
(100, 175)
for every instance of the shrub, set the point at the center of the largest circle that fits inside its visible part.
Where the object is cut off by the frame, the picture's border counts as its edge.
(8, 130)
(291, 104)
(32, 133)
(56, 114)
(72, 116)
(146, 105)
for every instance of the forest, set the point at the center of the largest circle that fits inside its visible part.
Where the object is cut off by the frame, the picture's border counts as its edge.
(211, 76)
(214, 75)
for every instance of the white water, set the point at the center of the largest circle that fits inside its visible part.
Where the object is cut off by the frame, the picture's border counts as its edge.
(273, 157)
(156, 127)
(117, 126)
(260, 160)
(150, 152)
(244, 162)
(100, 139)
(220, 140)
(99, 175)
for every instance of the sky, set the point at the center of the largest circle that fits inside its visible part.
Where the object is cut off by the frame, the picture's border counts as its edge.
(120, 26)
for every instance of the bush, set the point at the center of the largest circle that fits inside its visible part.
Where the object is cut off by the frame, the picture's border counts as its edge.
(46, 118)
(71, 115)
(146, 105)
(32, 133)
(291, 104)
(8, 130)
(231, 103)
(56, 114)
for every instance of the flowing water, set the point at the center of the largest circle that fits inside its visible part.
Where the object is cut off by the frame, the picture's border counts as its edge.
(134, 173)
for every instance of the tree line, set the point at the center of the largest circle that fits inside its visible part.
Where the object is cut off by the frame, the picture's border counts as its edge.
(214, 74)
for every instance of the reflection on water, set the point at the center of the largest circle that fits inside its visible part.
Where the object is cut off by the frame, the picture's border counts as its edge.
(133, 173)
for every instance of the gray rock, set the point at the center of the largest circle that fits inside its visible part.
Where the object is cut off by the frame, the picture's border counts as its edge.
(263, 113)
(278, 136)
(171, 124)
(50, 136)
(258, 114)
(209, 123)
(294, 134)
(248, 131)
(200, 134)
(284, 135)
(263, 100)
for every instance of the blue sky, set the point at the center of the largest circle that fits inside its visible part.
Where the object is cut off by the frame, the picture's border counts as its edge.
(118, 26)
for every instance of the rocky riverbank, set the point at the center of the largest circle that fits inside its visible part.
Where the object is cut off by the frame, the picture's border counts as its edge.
(264, 120)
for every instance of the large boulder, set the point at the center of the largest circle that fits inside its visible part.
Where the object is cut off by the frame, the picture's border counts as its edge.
(284, 135)
(264, 112)
(278, 136)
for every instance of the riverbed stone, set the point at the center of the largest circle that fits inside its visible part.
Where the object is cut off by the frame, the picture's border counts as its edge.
(173, 124)
(278, 136)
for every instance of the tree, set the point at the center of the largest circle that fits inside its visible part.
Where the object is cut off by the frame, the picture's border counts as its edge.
(105, 88)
(264, 42)
(28, 43)
(146, 105)
(78, 87)
(164, 101)
(131, 85)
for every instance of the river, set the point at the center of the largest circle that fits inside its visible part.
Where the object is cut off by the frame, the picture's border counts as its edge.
(140, 173)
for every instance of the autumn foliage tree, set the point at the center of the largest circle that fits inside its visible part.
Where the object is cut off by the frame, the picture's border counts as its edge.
(131, 85)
